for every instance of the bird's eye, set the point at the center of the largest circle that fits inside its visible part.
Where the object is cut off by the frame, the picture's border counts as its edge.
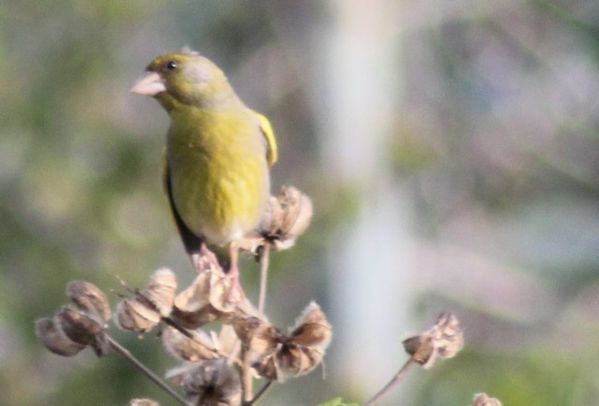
(171, 65)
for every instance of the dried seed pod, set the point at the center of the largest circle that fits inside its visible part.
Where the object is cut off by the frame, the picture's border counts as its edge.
(192, 307)
(78, 326)
(136, 315)
(208, 298)
(161, 290)
(143, 402)
(84, 329)
(198, 348)
(226, 341)
(257, 335)
(145, 309)
(89, 298)
(482, 399)
(306, 345)
(278, 356)
(213, 383)
(420, 348)
(298, 211)
(221, 294)
(448, 336)
(445, 339)
(272, 220)
(50, 332)
(312, 329)
(287, 217)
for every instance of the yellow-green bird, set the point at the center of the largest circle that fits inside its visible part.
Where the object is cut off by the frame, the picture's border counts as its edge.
(218, 153)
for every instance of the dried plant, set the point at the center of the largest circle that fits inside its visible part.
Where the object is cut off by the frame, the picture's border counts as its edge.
(217, 366)
(482, 399)
(444, 339)
(211, 359)
(143, 402)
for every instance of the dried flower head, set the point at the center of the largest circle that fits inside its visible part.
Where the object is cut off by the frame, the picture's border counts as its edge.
(209, 383)
(79, 326)
(287, 217)
(50, 332)
(137, 315)
(89, 298)
(144, 310)
(198, 347)
(209, 297)
(143, 402)
(75, 327)
(445, 339)
(161, 290)
(482, 399)
(278, 356)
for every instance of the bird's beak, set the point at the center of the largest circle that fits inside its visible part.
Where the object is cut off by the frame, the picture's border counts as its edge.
(150, 85)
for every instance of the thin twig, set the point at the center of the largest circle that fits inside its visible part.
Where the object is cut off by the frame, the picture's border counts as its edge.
(264, 262)
(392, 383)
(145, 370)
(169, 321)
(246, 375)
(259, 394)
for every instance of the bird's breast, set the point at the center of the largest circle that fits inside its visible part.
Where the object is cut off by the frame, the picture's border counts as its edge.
(219, 176)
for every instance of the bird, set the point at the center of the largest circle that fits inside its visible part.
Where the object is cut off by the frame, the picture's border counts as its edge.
(216, 166)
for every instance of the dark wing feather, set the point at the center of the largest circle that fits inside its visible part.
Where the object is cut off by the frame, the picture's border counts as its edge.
(191, 241)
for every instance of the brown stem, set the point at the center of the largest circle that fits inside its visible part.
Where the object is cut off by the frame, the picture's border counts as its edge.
(391, 384)
(246, 375)
(264, 262)
(259, 394)
(145, 370)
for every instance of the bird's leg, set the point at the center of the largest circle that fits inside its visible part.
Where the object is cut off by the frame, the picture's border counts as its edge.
(233, 273)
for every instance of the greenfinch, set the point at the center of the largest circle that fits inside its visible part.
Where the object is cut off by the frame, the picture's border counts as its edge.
(218, 153)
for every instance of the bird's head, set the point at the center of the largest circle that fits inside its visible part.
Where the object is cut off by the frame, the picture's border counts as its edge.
(184, 78)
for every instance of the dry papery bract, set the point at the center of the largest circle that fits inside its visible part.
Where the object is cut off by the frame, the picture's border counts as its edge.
(199, 347)
(209, 298)
(445, 339)
(74, 328)
(278, 356)
(287, 216)
(208, 383)
(144, 309)
(143, 402)
(482, 399)
(89, 298)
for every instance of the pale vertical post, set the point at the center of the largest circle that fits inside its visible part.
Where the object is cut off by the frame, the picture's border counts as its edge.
(369, 265)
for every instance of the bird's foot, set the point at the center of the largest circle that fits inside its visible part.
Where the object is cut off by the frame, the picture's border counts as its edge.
(204, 259)
(205, 252)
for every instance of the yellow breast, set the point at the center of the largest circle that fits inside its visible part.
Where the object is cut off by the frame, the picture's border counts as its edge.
(219, 173)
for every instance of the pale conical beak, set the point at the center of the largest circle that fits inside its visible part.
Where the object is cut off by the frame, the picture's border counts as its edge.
(150, 85)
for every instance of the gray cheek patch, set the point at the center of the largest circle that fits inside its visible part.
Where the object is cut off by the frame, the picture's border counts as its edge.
(198, 73)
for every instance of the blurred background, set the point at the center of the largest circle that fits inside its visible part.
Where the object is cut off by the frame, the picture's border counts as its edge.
(451, 149)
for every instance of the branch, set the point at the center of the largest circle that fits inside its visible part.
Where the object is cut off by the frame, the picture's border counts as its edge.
(246, 375)
(264, 262)
(259, 394)
(392, 383)
(145, 370)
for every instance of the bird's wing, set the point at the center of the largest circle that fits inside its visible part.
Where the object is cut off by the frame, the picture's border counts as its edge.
(272, 153)
(191, 241)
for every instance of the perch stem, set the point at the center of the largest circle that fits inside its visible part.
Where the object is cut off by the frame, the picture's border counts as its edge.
(261, 392)
(392, 383)
(246, 375)
(264, 263)
(145, 370)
